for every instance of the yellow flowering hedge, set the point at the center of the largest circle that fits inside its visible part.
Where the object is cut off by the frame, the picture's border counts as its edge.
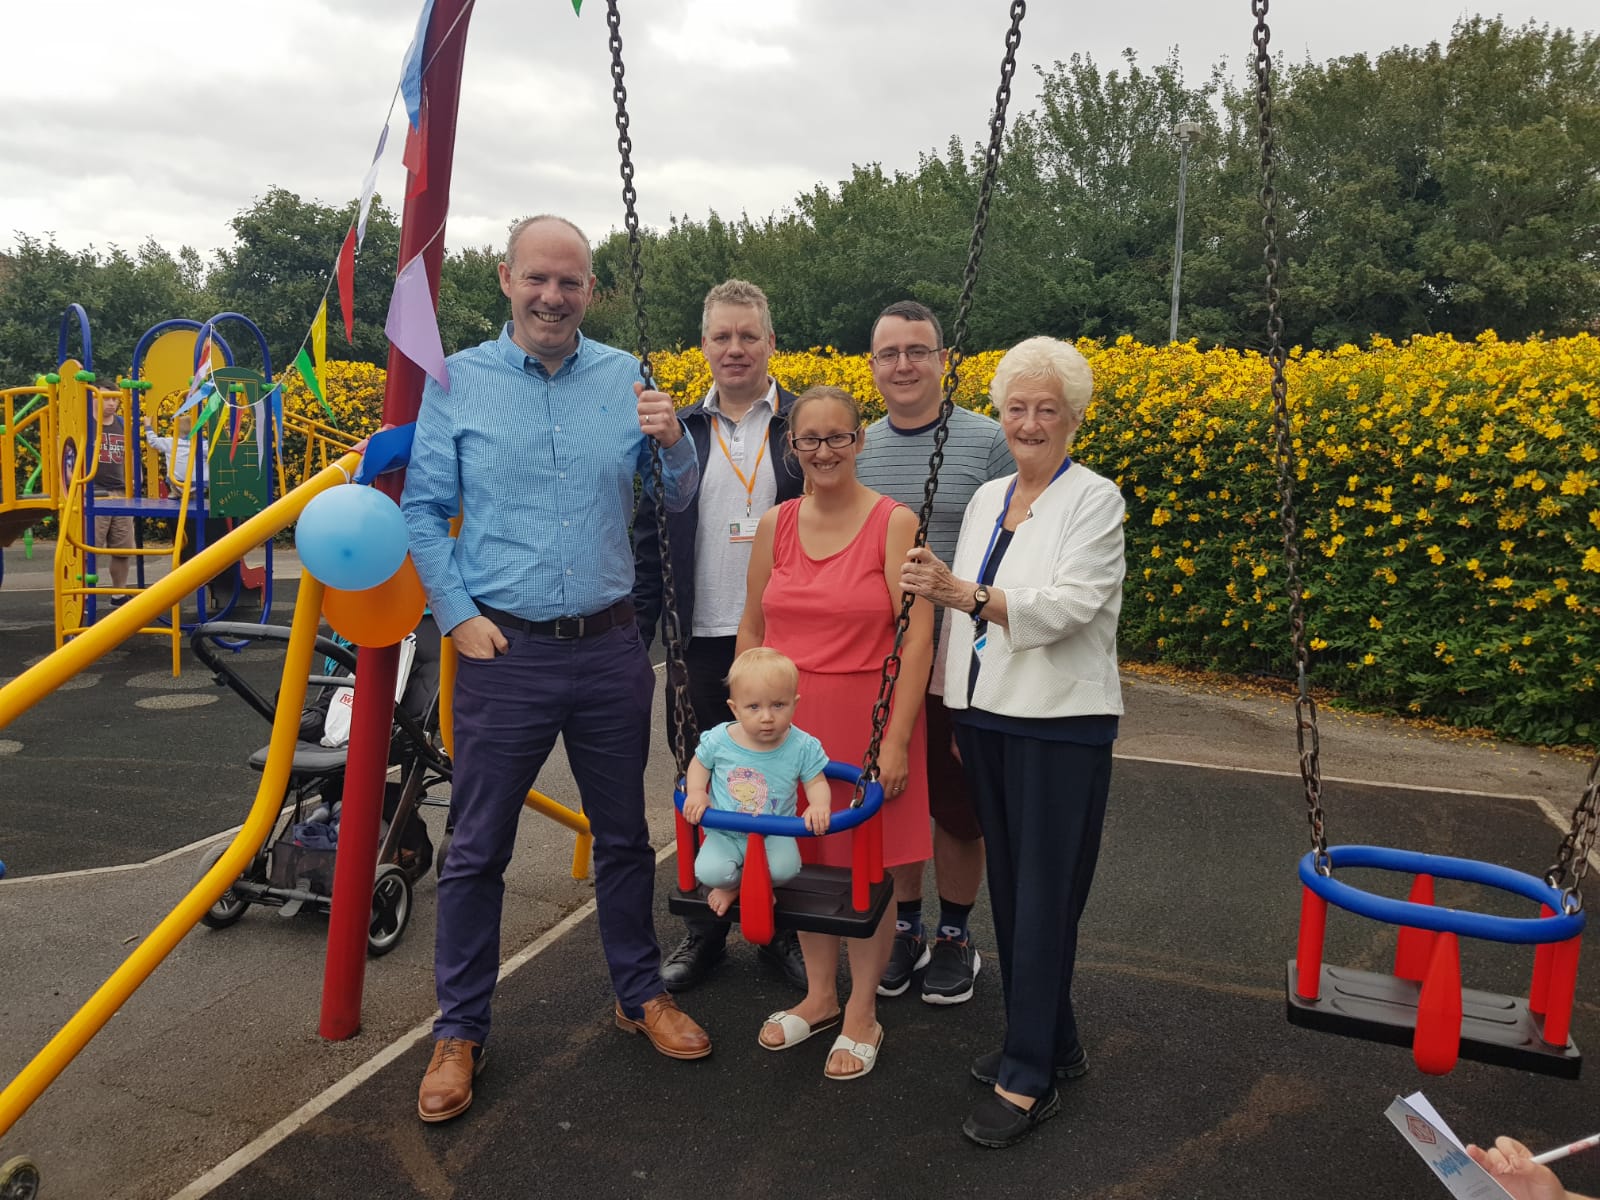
(1447, 494)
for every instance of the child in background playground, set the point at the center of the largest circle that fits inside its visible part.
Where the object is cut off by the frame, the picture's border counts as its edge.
(753, 764)
(174, 450)
(113, 533)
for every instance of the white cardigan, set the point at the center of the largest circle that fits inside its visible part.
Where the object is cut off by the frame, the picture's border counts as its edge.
(1062, 578)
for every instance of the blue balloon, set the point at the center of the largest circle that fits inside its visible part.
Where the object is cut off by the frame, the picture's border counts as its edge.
(351, 537)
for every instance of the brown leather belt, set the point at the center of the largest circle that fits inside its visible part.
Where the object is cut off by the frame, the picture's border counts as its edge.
(564, 628)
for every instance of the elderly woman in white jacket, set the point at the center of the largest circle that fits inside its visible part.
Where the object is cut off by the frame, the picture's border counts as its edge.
(1030, 678)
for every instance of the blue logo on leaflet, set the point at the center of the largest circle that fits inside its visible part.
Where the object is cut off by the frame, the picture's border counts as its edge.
(1452, 1163)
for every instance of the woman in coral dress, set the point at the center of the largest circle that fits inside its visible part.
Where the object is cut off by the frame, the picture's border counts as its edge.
(823, 589)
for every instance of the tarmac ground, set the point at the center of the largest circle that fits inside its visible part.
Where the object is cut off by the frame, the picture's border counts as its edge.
(212, 1079)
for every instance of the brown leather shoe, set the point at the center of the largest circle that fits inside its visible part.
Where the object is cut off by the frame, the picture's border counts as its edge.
(670, 1030)
(446, 1089)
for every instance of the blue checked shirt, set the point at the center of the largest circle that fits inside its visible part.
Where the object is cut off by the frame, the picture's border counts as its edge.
(542, 467)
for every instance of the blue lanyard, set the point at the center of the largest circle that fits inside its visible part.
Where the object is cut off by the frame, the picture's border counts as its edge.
(1005, 507)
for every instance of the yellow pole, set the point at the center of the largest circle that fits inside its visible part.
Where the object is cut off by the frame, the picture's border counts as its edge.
(27, 689)
(22, 1091)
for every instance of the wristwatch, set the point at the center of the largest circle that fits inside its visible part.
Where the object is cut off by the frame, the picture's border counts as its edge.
(979, 598)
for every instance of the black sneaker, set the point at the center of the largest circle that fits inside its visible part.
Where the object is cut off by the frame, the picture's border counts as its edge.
(998, 1123)
(952, 967)
(119, 601)
(910, 954)
(783, 952)
(689, 964)
(986, 1067)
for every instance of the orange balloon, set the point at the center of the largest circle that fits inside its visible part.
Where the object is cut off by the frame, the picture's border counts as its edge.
(377, 616)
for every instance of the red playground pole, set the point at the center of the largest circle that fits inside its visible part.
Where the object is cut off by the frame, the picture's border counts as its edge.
(421, 230)
(1308, 954)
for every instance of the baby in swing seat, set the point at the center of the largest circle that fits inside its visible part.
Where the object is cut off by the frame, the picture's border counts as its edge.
(755, 764)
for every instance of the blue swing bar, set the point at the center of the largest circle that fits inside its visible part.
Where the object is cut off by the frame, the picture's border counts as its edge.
(1423, 1004)
(847, 903)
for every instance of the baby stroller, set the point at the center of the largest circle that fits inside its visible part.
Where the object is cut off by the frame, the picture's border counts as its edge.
(293, 871)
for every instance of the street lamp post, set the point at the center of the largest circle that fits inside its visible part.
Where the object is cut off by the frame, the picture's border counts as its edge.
(1186, 132)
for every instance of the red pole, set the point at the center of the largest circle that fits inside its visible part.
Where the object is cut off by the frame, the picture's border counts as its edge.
(1563, 986)
(356, 863)
(420, 230)
(1543, 955)
(685, 853)
(1308, 954)
(1436, 1044)
(1414, 947)
(755, 893)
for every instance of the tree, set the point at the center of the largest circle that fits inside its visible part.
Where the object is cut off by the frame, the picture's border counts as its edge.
(282, 262)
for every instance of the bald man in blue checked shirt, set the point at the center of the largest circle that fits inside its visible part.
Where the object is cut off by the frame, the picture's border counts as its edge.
(538, 442)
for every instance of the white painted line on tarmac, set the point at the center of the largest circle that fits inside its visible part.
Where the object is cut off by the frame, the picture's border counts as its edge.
(84, 872)
(1551, 813)
(311, 1109)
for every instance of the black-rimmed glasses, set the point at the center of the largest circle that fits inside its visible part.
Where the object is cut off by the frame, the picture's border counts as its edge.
(836, 441)
(912, 354)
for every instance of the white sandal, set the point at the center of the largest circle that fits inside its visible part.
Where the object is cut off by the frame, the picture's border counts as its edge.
(795, 1029)
(865, 1053)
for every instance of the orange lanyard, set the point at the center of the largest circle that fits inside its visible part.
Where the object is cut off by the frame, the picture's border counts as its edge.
(750, 483)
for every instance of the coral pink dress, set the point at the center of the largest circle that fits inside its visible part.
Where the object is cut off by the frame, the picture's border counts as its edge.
(835, 618)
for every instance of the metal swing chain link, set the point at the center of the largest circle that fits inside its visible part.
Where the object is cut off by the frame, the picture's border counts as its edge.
(1572, 859)
(1307, 738)
(969, 280)
(685, 730)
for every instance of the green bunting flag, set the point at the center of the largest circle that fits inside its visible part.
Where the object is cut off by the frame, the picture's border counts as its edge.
(302, 363)
(577, 7)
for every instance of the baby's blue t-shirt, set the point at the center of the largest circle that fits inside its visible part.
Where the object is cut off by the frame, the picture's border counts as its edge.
(759, 781)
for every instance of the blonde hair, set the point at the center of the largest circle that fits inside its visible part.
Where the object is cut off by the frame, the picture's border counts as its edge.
(739, 293)
(765, 663)
(822, 391)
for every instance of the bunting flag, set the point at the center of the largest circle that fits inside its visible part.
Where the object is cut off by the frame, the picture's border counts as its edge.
(577, 8)
(412, 326)
(367, 186)
(313, 378)
(238, 428)
(415, 155)
(202, 376)
(346, 272)
(203, 392)
(411, 69)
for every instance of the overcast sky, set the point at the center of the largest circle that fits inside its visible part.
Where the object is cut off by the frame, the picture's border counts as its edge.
(164, 118)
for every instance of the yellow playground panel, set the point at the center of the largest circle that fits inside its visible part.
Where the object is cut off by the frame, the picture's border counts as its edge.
(49, 452)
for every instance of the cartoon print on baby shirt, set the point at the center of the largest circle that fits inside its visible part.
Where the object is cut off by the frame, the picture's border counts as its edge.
(748, 789)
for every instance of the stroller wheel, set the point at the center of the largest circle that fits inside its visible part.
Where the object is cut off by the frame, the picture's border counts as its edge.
(19, 1180)
(229, 906)
(391, 910)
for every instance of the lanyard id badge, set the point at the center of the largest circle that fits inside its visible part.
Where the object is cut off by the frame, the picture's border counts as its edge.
(743, 530)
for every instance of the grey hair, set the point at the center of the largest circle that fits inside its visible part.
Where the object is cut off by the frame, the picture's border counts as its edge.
(742, 293)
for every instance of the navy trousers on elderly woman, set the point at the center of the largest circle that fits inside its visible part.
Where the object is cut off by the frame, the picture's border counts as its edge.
(596, 693)
(1042, 806)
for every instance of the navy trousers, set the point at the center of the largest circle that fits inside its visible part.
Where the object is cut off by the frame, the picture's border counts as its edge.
(596, 693)
(1042, 805)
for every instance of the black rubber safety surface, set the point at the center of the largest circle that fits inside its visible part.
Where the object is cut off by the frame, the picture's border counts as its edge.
(1198, 1087)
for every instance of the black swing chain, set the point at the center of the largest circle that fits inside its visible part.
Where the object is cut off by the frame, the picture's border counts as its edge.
(685, 731)
(1305, 706)
(958, 334)
(1572, 859)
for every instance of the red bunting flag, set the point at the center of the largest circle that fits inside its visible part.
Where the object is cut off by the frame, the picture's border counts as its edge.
(346, 272)
(415, 157)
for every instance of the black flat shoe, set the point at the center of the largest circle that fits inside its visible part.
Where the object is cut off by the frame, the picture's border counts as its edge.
(689, 964)
(783, 952)
(997, 1123)
(986, 1067)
